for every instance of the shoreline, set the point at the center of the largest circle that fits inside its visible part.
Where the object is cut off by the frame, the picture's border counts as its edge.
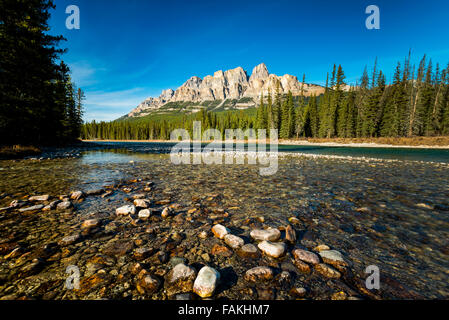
(330, 143)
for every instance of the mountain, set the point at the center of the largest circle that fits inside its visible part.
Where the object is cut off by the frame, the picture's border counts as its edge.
(231, 89)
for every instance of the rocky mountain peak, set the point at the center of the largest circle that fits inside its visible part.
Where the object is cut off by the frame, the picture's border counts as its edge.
(231, 84)
(260, 72)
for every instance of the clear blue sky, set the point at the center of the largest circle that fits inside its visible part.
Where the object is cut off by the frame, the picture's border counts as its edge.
(128, 50)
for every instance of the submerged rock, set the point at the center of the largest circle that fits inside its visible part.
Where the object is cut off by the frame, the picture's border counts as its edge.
(39, 198)
(147, 284)
(333, 257)
(306, 256)
(327, 271)
(206, 282)
(144, 214)
(63, 205)
(142, 203)
(77, 195)
(248, 251)
(180, 279)
(33, 208)
(233, 241)
(259, 274)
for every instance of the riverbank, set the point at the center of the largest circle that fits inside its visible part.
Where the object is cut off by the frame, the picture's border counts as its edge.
(413, 142)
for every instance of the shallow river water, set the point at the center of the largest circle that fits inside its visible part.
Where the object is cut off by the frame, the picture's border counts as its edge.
(391, 212)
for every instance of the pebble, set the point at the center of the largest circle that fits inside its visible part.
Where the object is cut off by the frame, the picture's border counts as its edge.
(33, 208)
(270, 234)
(302, 266)
(148, 284)
(248, 251)
(167, 212)
(77, 195)
(259, 274)
(306, 256)
(39, 198)
(272, 249)
(180, 279)
(63, 205)
(321, 247)
(220, 231)
(142, 203)
(327, 271)
(233, 241)
(143, 253)
(333, 257)
(125, 210)
(91, 223)
(206, 282)
(144, 214)
(290, 234)
(298, 292)
(68, 240)
(221, 250)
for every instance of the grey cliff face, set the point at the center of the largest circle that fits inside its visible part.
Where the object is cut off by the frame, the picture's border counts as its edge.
(230, 84)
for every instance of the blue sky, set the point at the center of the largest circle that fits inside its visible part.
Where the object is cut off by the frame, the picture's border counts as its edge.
(128, 50)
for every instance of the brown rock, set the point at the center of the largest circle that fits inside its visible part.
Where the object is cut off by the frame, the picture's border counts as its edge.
(327, 271)
(290, 234)
(221, 251)
(259, 274)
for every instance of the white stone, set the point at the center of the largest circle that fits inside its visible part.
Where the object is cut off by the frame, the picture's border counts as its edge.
(271, 249)
(233, 241)
(206, 282)
(220, 231)
(142, 203)
(39, 198)
(144, 214)
(126, 210)
(269, 234)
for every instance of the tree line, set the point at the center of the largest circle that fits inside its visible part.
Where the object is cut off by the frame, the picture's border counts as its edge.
(39, 102)
(415, 103)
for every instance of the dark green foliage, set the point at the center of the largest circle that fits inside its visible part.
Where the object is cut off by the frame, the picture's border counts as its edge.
(38, 100)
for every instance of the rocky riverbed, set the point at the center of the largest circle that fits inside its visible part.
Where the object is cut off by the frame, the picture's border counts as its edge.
(138, 227)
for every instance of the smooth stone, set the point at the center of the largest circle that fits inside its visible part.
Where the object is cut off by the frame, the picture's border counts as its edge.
(333, 257)
(63, 205)
(125, 210)
(91, 223)
(33, 208)
(39, 198)
(271, 249)
(144, 214)
(233, 241)
(302, 266)
(259, 274)
(142, 203)
(248, 251)
(180, 279)
(221, 250)
(17, 203)
(167, 212)
(290, 234)
(174, 261)
(299, 292)
(68, 240)
(51, 206)
(143, 253)
(321, 247)
(148, 284)
(220, 231)
(270, 234)
(94, 192)
(306, 256)
(76, 195)
(327, 271)
(206, 282)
